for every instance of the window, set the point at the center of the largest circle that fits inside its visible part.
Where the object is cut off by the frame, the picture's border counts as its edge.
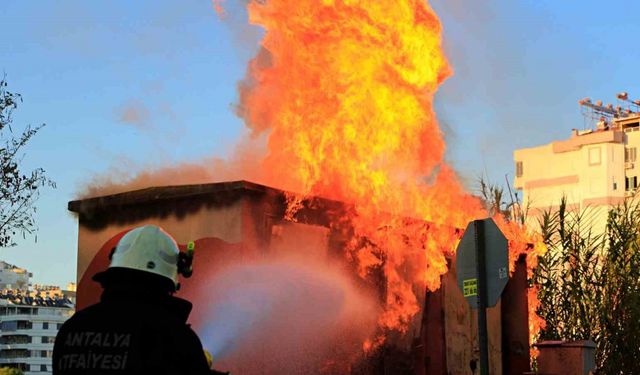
(519, 169)
(24, 310)
(630, 154)
(630, 183)
(48, 340)
(45, 325)
(22, 324)
(9, 326)
(46, 353)
(59, 326)
(594, 156)
(43, 368)
(12, 325)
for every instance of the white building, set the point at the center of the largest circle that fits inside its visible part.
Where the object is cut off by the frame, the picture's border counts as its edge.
(594, 169)
(28, 327)
(29, 320)
(12, 277)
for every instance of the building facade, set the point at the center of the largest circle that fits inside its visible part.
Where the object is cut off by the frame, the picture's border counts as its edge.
(593, 169)
(30, 317)
(13, 277)
(28, 327)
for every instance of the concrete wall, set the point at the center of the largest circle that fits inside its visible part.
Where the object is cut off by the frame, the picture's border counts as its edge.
(589, 170)
(223, 222)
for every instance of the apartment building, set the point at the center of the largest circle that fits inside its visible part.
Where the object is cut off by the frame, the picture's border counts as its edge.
(30, 317)
(594, 169)
(13, 277)
(28, 327)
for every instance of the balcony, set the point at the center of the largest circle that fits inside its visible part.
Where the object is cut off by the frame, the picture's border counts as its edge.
(15, 339)
(15, 353)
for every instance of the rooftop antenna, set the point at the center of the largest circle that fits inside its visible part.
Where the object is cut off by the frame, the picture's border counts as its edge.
(635, 104)
(594, 111)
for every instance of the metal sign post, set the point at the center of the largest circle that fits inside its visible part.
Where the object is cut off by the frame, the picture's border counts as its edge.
(482, 297)
(482, 262)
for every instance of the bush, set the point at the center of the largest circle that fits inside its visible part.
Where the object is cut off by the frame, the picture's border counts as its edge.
(10, 371)
(590, 283)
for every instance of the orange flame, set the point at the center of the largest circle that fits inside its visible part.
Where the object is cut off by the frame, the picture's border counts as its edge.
(217, 6)
(345, 90)
(530, 244)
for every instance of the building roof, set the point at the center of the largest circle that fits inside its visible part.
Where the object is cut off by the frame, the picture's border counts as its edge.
(159, 193)
(15, 297)
(161, 201)
(130, 206)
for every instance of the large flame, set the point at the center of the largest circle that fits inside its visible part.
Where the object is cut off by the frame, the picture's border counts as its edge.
(344, 89)
(523, 241)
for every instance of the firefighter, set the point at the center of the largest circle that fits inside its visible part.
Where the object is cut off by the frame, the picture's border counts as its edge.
(138, 327)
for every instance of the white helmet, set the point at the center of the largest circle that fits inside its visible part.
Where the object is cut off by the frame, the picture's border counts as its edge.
(150, 249)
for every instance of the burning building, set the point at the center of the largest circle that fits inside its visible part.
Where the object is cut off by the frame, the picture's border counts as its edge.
(353, 273)
(274, 293)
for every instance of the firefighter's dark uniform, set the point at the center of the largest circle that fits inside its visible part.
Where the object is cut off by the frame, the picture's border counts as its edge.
(130, 333)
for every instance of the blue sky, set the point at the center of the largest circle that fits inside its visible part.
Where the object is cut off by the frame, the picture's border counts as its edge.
(130, 84)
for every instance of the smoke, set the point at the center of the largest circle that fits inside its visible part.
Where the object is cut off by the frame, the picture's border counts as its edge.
(245, 36)
(135, 113)
(285, 316)
(125, 175)
(162, 124)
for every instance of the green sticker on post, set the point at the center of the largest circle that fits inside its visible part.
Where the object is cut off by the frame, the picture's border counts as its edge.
(191, 245)
(470, 287)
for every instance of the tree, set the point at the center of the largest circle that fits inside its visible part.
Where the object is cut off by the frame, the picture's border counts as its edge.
(589, 283)
(568, 274)
(19, 190)
(493, 197)
(10, 371)
(620, 305)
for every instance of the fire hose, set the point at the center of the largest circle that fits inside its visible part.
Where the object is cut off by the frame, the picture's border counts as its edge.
(210, 363)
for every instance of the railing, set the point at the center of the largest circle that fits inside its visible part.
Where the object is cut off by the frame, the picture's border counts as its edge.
(16, 346)
(15, 353)
(15, 339)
